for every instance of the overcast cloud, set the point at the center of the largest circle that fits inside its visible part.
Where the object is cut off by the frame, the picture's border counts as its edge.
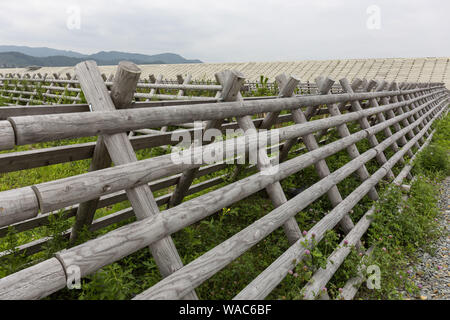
(233, 31)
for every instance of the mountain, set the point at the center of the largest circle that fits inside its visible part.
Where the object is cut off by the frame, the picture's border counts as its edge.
(41, 51)
(141, 58)
(17, 60)
(21, 56)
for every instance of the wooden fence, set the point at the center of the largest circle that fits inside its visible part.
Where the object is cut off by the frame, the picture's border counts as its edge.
(44, 89)
(30, 89)
(402, 113)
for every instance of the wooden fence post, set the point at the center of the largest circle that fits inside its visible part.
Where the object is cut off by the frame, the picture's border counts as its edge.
(184, 82)
(426, 90)
(121, 94)
(284, 153)
(407, 97)
(400, 111)
(180, 92)
(69, 76)
(121, 150)
(86, 210)
(274, 190)
(232, 83)
(390, 114)
(322, 170)
(157, 81)
(409, 86)
(364, 123)
(404, 86)
(324, 86)
(286, 86)
(380, 116)
(423, 100)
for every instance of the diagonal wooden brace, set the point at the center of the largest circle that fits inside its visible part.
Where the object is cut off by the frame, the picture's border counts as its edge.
(121, 151)
(400, 111)
(324, 85)
(364, 123)
(232, 82)
(323, 171)
(274, 190)
(372, 84)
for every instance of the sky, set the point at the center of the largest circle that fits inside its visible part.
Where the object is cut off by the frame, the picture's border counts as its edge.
(233, 30)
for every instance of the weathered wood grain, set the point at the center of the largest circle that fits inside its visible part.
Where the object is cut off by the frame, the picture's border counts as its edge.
(274, 190)
(7, 140)
(121, 152)
(324, 85)
(123, 87)
(33, 129)
(214, 201)
(407, 108)
(391, 114)
(287, 87)
(415, 107)
(261, 286)
(231, 82)
(214, 260)
(64, 192)
(17, 205)
(380, 116)
(364, 122)
(373, 181)
(334, 261)
(322, 170)
(35, 282)
(400, 110)
(43, 157)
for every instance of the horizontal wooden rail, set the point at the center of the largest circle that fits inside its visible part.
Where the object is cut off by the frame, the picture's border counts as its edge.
(52, 87)
(32, 129)
(272, 276)
(114, 198)
(403, 114)
(94, 184)
(334, 261)
(217, 258)
(48, 156)
(158, 228)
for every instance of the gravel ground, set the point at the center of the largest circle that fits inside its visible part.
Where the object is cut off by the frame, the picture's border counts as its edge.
(432, 274)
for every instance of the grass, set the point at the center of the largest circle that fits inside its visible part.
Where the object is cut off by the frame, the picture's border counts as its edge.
(412, 228)
(3, 101)
(402, 226)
